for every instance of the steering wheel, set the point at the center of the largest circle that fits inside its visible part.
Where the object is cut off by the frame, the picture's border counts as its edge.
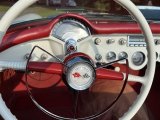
(146, 80)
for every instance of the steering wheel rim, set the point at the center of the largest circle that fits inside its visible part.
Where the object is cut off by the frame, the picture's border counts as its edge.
(146, 81)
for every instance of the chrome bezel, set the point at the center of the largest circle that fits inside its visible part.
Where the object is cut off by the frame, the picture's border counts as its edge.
(141, 61)
(57, 30)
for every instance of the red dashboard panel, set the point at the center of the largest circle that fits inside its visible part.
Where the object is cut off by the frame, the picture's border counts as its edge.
(23, 33)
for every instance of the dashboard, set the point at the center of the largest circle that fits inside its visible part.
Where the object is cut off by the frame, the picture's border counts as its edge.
(116, 46)
(70, 35)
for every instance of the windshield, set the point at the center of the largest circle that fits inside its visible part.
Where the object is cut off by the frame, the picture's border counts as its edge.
(92, 9)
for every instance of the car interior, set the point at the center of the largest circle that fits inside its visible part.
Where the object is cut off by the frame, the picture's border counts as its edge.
(79, 60)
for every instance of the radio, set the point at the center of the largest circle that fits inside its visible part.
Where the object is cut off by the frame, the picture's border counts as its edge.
(136, 41)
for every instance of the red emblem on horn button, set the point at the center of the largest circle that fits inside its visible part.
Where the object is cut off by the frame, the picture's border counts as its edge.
(76, 75)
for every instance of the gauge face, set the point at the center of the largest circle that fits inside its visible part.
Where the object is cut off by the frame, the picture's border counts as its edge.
(122, 55)
(111, 56)
(80, 76)
(138, 58)
(70, 29)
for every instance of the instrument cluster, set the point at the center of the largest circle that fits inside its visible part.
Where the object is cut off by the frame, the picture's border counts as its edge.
(103, 48)
(108, 48)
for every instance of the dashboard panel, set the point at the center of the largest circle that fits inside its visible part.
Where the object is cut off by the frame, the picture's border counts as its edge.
(108, 48)
(101, 48)
(72, 33)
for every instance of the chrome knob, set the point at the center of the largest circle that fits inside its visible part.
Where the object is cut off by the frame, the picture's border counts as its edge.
(122, 41)
(111, 56)
(44, 56)
(97, 41)
(138, 58)
(26, 57)
(98, 57)
(110, 41)
(157, 41)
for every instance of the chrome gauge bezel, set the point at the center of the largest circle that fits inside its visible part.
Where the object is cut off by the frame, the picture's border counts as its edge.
(60, 29)
(141, 58)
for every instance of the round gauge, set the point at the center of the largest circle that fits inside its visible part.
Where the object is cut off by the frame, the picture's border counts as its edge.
(122, 55)
(138, 58)
(111, 56)
(70, 29)
(80, 76)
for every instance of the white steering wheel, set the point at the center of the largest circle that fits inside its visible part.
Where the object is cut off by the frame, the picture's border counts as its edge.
(146, 80)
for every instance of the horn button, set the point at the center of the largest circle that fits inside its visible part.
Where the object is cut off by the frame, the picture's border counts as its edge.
(80, 73)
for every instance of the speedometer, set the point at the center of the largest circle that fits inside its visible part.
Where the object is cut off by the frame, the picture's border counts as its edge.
(70, 29)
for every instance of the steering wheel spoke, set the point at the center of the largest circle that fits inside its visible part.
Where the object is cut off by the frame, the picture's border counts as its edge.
(46, 67)
(134, 78)
(107, 74)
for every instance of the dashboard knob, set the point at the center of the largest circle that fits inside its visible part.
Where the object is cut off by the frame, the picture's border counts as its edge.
(26, 57)
(138, 58)
(98, 57)
(122, 41)
(122, 55)
(97, 41)
(110, 41)
(44, 56)
(157, 41)
(111, 56)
